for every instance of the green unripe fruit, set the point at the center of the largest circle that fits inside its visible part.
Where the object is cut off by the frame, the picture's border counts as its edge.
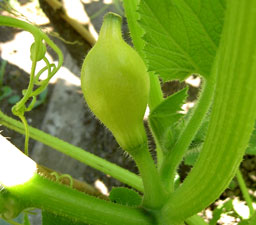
(115, 85)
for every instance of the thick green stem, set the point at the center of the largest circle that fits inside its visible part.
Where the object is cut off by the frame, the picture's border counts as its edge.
(154, 194)
(81, 155)
(42, 193)
(232, 118)
(172, 160)
(245, 192)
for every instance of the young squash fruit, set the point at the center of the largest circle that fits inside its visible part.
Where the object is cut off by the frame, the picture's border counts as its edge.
(115, 85)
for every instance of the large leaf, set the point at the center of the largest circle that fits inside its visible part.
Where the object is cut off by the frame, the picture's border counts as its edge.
(163, 119)
(136, 31)
(131, 6)
(181, 36)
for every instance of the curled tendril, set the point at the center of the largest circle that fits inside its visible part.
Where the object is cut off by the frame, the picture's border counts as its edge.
(59, 177)
(35, 87)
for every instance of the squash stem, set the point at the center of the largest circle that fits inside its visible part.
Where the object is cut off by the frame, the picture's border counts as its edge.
(174, 157)
(232, 117)
(75, 152)
(154, 193)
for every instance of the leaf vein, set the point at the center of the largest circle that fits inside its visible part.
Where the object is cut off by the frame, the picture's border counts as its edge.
(188, 57)
(201, 24)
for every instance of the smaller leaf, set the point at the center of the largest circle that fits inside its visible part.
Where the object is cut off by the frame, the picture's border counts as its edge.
(125, 196)
(197, 144)
(251, 150)
(233, 184)
(13, 99)
(5, 92)
(192, 155)
(163, 119)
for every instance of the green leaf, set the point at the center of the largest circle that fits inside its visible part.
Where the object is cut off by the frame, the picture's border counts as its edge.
(181, 36)
(125, 196)
(194, 149)
(136, 32)
(163, 119)
(13, 99)
(192, 155)
(132, 16)
(5, 91)
(52, 219)
(251, 149)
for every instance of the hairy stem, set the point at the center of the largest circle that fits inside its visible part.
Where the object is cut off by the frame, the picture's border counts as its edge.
(42, 193)
(232, 118)
(174, 157)
(77, 153)
(154, 194)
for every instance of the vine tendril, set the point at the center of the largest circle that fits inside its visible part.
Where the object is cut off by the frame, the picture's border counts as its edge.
(35, 87)
(59, 177)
